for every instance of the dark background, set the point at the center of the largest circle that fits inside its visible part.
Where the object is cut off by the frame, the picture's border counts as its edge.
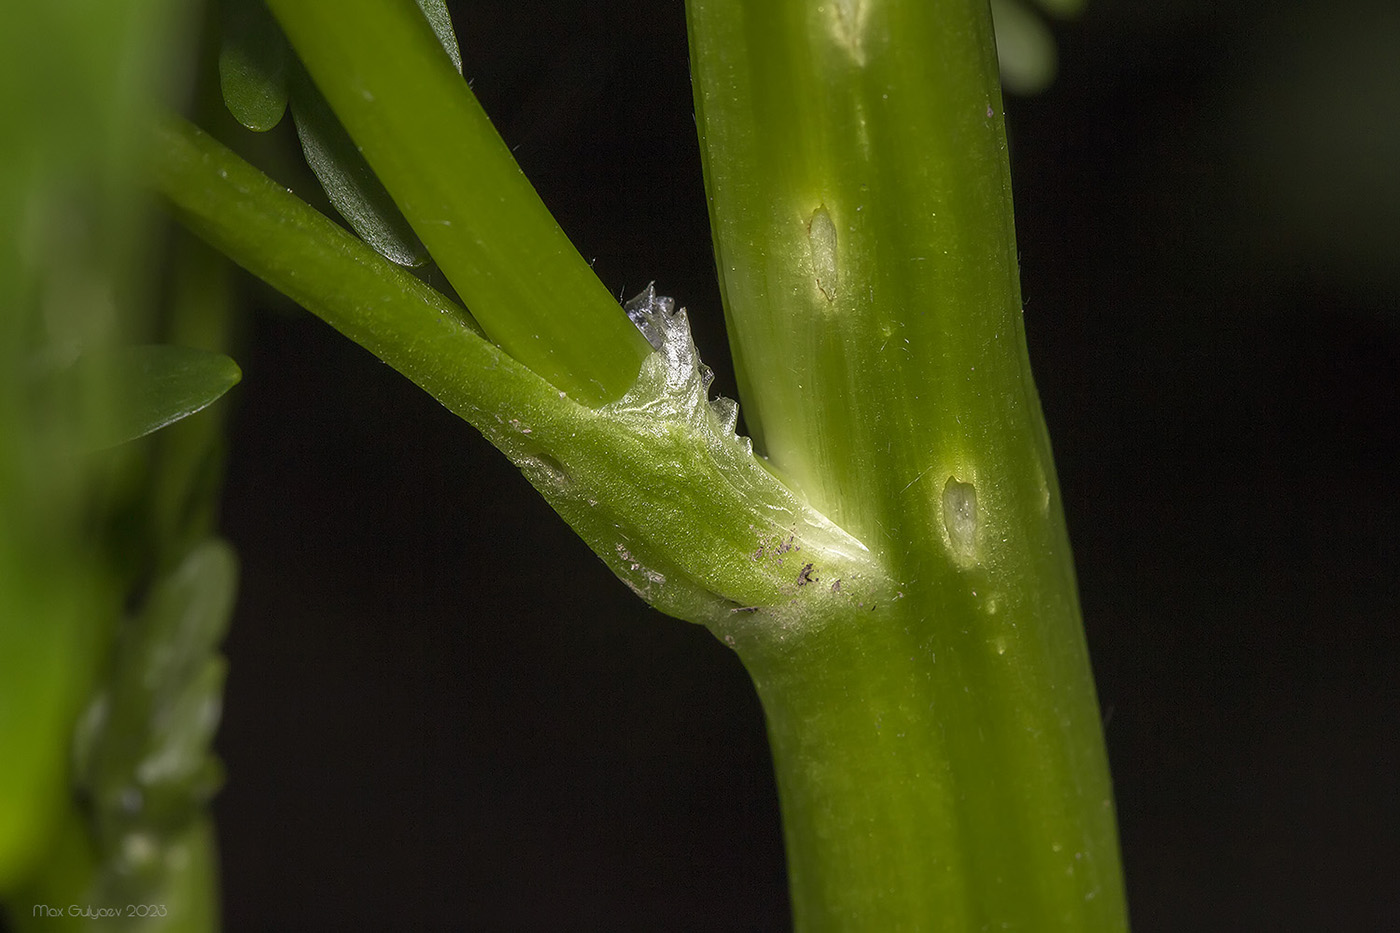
(444, 713)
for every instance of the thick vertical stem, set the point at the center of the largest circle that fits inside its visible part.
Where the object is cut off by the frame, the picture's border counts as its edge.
(941, 767)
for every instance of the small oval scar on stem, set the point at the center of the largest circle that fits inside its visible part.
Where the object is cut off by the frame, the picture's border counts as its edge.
(821, 236)
(960, 518)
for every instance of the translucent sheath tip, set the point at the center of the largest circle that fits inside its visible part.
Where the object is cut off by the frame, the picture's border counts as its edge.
(673, 382)
(650, 312)
(676, 503)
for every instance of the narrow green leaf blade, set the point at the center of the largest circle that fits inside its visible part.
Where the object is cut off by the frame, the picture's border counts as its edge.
(159, 385)
(253, 64)
(350, 183)
(431, 144)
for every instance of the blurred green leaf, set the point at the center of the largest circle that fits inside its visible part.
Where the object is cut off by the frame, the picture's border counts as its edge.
(78, 80)
(159, 385)
(253, 64)
(1025, 46)
(141, 752)
(1063, 9)
(186, 459)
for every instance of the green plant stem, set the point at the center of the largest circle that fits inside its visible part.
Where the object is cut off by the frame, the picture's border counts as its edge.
(312, 260)
(391, 84)
(658, 485)
(942, 766)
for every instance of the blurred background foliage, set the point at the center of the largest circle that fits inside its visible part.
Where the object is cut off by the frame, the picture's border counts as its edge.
(442, 711)
(113, 594)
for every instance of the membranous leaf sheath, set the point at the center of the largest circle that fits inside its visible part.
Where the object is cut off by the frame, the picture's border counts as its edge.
(657, 483)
